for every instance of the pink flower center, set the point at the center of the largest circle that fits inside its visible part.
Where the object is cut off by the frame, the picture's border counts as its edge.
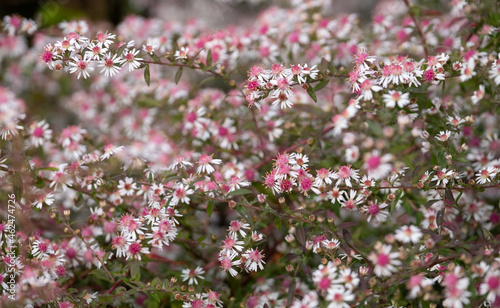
(383, 259)
(493, 283)
(373, 209)
(134, 248)
(324, 284)
(38, 132)
(373, 162)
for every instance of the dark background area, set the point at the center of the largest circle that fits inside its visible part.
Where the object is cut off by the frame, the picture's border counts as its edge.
(217, 13)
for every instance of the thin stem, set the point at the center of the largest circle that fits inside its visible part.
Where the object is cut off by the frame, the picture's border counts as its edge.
(90, 248)
(417, 26)
(228, 80)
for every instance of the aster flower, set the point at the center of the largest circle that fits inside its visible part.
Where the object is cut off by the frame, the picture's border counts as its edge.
(407, 234)
(205, 162)
(255, 260)
(385, 261)
(40, 133)
(393, 98)
(227, 262)
(110, 64)
(130, 58)
(81, 66)
(192, 275)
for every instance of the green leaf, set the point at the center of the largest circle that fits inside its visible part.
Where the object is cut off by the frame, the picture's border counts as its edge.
(395, 202)
(156, 297)
(321, 85)
(178, 75)
(277, 223)
(239, 192)
(135, 272)
(209, 58)
(312, 94)
(147, 76)
(121, 49)
(99, 273)
(210, 208)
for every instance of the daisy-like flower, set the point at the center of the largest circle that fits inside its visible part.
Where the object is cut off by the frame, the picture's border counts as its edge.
(127, 187)
(346, 174)
(105, 39)
(323, 177)
(407, 234)
(181, 194)
(376, 211)
(41, 249)
(60, 180)
(181, 53)
(377, 166)
(335, 194)
(192, 275)
(338, 296)
(43, 199)
(443, 136)
(478, 95)
(95, 51)
(455, 121)
(349, 278)
(81, 66)
(442, 176)
(236, 227)
(110, 150)
(282, 93)
(393, 98)
(254, 260)
(90, 297)
(135, 250)
(179, 162)
(205, 162)
(495, 73)
(298, 161)
(109, 64)
(231, 244)
(491, 285)
(385, 261)
(150, 47)
(351, 200)
(417, 283)
(486, 175)
(366, 89)
(456, 294)
(40, 133)
(130, 58)
(227, 262)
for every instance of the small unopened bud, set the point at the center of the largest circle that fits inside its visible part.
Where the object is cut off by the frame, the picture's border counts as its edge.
(281, 200)
(312, 217)
(191, 289)
(363, 270)
(232, 204)
(177, 297)
(389, 238)
(173, 280)
(67, 212)
(289, 268)
(261, 198)
(324, 261)
(472, 182)
(305, 86)
(337, 261)
(391, 197)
